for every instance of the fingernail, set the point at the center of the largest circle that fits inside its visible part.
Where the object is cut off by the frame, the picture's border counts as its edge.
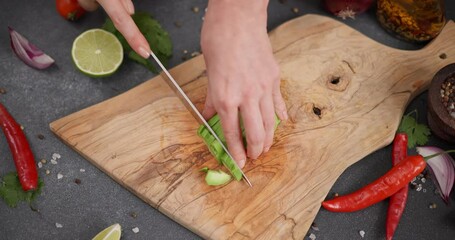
(130, 7)
(144, 53)
(285, 115)
(242, 163)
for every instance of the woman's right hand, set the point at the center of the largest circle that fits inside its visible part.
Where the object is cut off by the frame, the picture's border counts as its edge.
(120, 12)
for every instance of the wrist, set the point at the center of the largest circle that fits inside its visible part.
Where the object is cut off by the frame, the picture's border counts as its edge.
(245, 11)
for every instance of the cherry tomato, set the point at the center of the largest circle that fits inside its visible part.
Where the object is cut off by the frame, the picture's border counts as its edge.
(70, 9)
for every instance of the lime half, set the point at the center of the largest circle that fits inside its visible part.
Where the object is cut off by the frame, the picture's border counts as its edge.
(97, 53)
(113, 232)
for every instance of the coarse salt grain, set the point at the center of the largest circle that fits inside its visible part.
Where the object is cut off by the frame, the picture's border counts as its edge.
(53, 161)
(315, 228)
(40, 165)
(312, 236)
(135, 230)
(423, 180)
(82, 170)
(59, 176)
(58, 225)
(362, 233)
(419, 188)
(194, 54)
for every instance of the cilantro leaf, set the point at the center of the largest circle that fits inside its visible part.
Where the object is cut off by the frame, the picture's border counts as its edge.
(156, 36)
(417, 133)
(11, 190)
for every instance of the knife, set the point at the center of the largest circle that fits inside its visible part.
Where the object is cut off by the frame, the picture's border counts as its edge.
(193, 110)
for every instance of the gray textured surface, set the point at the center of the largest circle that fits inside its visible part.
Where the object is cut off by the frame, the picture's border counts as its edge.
(37, 98)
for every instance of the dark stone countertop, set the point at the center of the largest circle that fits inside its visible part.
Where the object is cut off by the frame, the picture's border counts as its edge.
(37, 98)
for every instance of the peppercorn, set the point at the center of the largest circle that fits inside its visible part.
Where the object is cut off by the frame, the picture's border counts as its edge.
(448, 95)
(77, 181)
(178, 24)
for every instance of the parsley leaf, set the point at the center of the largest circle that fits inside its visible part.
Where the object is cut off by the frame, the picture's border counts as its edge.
(156, 36)
(11, 190)
(417, 133)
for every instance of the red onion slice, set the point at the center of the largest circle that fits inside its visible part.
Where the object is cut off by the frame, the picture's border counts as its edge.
(27, 52)
(443, 169)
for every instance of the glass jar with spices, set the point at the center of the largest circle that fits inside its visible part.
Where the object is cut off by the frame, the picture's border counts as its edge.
(413, 20)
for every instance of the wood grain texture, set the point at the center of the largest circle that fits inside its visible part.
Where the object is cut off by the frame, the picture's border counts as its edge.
(146, 140)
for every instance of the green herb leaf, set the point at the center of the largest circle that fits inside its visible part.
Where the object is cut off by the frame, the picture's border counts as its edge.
(417, 133)
(156, 36)
(11, 190)
(137, 58)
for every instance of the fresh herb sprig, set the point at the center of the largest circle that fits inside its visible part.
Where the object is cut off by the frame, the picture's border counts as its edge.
(11, 190)
(417, 132)
(156, 36)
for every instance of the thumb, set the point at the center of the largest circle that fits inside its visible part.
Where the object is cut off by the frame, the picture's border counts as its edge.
(209, 110)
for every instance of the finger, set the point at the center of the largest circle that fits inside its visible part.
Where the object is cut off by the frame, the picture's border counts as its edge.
(268, 117)
(278, 102)
(128, 5)
(125, 24)
(88, 5)
(231, 129)
(209, 109)
(254, 129)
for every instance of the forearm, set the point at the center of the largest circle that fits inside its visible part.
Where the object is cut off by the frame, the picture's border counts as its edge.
(245, 11)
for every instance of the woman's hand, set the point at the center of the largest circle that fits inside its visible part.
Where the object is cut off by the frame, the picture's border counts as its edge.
(120, 12)
(243, 75)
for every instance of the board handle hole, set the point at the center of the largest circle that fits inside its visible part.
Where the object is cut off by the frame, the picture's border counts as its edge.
(317, 111)
(443, 56)
(335, 80)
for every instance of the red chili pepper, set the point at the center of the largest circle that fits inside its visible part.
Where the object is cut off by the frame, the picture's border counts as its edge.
(395, 179)
(22, 154)
(397, 201)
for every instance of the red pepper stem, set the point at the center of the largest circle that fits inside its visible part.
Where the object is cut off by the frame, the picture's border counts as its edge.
(437, 154)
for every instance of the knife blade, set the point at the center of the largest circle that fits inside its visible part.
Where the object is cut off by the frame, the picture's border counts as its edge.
(193, 110)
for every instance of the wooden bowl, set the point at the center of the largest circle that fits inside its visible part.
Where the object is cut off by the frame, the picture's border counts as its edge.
(439, 119)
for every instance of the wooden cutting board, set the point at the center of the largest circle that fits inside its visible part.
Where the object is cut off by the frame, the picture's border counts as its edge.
(146, 140)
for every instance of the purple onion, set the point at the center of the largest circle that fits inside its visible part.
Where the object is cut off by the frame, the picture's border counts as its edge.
(442, 168)
(27, 52)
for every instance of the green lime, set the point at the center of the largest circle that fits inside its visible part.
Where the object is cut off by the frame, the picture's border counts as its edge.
(113, 232)
(97, 53)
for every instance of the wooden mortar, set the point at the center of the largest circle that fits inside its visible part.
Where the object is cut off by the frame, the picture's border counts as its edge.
(441, 123)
